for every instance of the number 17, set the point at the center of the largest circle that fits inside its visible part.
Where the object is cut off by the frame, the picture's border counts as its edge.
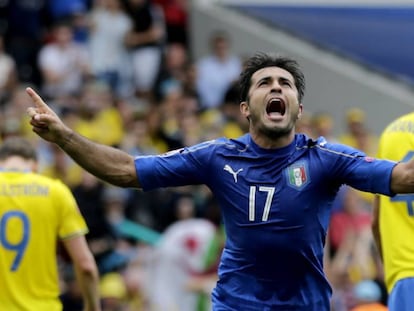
(252, 202)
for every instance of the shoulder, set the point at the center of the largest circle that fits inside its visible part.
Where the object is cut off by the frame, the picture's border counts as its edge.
(45, 179)
(403, 124)
(320, 144)
(303, 141)
(36, 178)
(208, 150)
(239, 144)
(55, 185)
(396, 141)
(219, 143)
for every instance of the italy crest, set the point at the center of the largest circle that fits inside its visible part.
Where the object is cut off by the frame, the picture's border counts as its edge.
(297, 175)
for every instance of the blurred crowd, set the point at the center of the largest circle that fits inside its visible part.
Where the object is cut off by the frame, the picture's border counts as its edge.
(121, 73)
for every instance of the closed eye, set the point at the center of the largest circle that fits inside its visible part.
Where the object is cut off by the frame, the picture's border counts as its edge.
(285, 82)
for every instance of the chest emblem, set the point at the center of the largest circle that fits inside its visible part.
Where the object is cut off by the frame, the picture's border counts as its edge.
(229, 169)
(297, 175)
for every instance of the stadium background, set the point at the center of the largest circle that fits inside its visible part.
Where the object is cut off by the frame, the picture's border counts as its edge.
(354, 53)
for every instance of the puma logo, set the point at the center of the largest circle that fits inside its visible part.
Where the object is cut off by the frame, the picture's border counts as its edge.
(230, 170)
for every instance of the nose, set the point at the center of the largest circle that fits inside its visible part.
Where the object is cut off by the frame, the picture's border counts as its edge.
(276, 87)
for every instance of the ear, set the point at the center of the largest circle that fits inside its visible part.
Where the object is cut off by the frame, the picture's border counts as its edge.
(300, 111)
(245, 109)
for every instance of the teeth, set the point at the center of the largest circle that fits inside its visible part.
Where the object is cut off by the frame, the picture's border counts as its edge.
(274, 114)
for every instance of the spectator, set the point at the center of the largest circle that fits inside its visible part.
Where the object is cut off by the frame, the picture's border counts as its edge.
(26, 23)
(102, 237)
(58, 165)
(217, 71)
(100, 120)
(304, 124)
(71, 296)
(189, 83)
(113, 292)
(8, 73)
(109, 24)
(236, 123)
(323, 125)
(138, 139)
(114, 202)
(64, 64)
(145, 41)
(176, 18)
(357, 134)
(351, 256)
(352, 217)
(173, 71)
(13, 110)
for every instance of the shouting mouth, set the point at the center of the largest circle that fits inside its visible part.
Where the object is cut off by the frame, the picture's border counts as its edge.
(276, 107)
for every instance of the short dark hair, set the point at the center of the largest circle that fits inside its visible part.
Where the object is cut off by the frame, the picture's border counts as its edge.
(17, 146)
(262, 60)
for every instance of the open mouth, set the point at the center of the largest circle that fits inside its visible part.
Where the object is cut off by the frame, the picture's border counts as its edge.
(275, 106)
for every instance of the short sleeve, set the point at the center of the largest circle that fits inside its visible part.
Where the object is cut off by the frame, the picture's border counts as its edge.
(72, 222)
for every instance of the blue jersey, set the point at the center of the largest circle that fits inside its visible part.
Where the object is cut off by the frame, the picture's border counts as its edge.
(276, 205)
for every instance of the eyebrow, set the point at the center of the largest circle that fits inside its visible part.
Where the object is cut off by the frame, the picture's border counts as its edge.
(268, 78)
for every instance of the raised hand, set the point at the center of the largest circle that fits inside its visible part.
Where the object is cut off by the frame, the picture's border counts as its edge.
(45, 122)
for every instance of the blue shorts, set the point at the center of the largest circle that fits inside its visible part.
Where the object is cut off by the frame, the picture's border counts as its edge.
(401, 297)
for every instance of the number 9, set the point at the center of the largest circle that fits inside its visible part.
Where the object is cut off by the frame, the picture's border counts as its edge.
(21, 245)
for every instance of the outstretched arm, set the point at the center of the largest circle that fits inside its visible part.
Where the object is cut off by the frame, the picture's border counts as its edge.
(107, 163)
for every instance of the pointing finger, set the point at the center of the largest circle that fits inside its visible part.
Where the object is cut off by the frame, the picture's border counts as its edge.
(36, 99)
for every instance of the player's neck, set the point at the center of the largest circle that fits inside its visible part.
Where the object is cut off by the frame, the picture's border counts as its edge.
(267, 142)
(16, 163)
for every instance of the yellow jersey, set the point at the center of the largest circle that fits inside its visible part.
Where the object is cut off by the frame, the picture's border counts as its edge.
(397, 214)
(35, 212)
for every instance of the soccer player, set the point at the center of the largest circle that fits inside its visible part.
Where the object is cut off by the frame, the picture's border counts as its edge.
(275, 187)
(35, 212)
(393, 224)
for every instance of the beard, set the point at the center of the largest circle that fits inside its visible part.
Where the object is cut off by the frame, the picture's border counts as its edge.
(275, 132)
